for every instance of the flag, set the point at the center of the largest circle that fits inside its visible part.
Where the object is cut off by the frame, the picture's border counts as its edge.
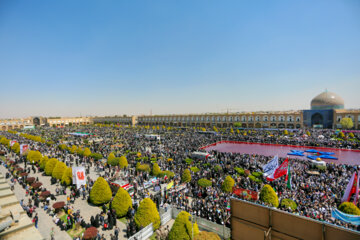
(170, 185)
(357, 189)
(288, 178)
(23, 148)
(353, 219)
(271, 166)
(279, 171)
(347, 193)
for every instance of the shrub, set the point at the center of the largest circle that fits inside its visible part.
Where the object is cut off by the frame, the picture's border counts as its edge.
(16, 147)
(228, 184)
(196, 229)
(80, 151)
(143, 167)
(123, 162)
(240, 171)
(169, 174)
(87, 152)
(34, 156)
(182, 228)
(111, 160)
(194, 169)
(73, 149)
(67, 177)
(203, 182)
(255, 179)
(257, 174)
(286, 203)
(62, 146)
(189, 161)
(207, 236)
(186, 176)
(351, 135)
(43, 162)
(218, 168)
(100, 193)
(121, 202)
(349, 208)
(156, 170)
(147, 213)
(269, 196)
(96, 156)
(59, 170)
(50, 164)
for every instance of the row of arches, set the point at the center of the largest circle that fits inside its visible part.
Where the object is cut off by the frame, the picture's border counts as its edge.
(228, 125)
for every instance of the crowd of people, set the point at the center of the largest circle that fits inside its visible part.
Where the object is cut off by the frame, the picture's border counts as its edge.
(315, 194)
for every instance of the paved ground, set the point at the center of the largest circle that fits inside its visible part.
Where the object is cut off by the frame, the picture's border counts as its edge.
(45, 221)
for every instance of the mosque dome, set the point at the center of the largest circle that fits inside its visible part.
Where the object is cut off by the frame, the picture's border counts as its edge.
(327, 100)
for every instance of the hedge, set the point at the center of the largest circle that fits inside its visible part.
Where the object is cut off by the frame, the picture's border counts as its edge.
(87, 152)
(182, 227)
(59, 170)
(122, 202)
(286, 203)
(67, 177)
(228, 184)
(186, 176)
(143, 167)
(203, 182)
(349, 208)
(146, 214)
(269, 196)
(50, 164)
(100, 193)
(112, 160)
(218, 168)
(257, 174)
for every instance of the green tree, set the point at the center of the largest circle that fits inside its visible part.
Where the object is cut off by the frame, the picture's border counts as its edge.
(50, 164)
(122, 202)
(347, 123)
(269, 196)
(123, 163)
(67, 177)
(237, 124)
(207, 236)
(182, 228)
(228, 184)
(79, 151)
(87, 152)
(286, 132)
(59, 170)
(186, 176)
(100, 193)
(156, 170)
(147, 213)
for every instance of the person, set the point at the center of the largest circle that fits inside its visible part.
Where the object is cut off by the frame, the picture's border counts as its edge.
(36, 220)
(52, 234)
(116, 232)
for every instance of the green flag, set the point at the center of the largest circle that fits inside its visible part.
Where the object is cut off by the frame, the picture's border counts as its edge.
(288, 176)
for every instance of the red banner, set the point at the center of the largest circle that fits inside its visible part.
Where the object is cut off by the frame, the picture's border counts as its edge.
(245, 194)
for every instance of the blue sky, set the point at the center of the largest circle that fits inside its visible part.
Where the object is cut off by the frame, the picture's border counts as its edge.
(71, 58)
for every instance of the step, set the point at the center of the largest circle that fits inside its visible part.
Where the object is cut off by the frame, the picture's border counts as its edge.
(5, 193)
(4, 186)
(9, 200)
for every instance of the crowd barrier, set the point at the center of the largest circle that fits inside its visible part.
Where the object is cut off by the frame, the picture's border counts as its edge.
(144, 233)
(254, 221)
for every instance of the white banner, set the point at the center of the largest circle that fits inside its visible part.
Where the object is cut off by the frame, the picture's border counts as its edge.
(271, 166)
(79, 177)
(23, 148)
(12, 143)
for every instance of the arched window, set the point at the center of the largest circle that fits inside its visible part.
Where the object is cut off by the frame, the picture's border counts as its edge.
(257, 118)
(273, 118)
(298, 119)
(265, 118)
(243, 118)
